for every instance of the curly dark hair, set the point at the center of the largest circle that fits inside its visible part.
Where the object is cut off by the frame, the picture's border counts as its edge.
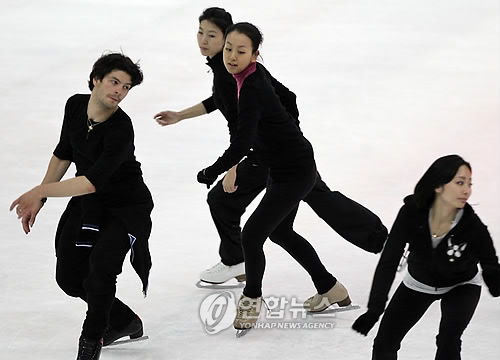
(115, 61)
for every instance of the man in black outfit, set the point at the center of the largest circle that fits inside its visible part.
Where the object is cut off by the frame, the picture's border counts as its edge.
(109, 212)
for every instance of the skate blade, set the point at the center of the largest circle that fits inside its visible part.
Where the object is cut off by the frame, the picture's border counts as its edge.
(128, 341)
(224, 286)
(242, 332)
(334, 310)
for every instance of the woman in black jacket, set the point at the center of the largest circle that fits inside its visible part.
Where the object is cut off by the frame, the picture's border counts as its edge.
(447, 241)
(229, 198)
(265, 125)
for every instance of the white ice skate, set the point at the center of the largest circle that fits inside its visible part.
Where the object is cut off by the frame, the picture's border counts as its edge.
(219, 274)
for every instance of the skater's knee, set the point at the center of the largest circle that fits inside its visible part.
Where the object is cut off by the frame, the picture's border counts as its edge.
(252, 240)
(99, 284)
(215, 196)
(282, 235)
(102, 276)
(277, 239)
(246, 242)
(71, 288)
(73, 292)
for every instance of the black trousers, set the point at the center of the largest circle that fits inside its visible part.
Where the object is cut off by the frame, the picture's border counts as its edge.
(349, 219)
(228, 208)
(273, 218)
(407, 307)
(90, 273)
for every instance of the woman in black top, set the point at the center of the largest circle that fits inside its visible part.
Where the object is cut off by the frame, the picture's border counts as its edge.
(227, 201)
(447, 241)
(265, 125)
(229, 198)
(109, 212)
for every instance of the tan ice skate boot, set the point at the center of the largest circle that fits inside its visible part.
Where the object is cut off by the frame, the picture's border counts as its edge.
(336, 295)
(248, 312)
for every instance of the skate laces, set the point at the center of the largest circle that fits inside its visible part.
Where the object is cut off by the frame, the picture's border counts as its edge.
(318, 301)
(250, 307)
(89, 350)
(217, 267)
(316, 298)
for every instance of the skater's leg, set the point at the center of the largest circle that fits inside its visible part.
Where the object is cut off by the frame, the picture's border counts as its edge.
(404, 310)
(281, 198)
(72, 265)
(105, 264)
(303, 252)
(351, 220)
(73, 268)
(457, 308)
(227, 208)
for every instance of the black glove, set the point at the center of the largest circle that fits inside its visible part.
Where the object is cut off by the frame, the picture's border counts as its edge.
(204, 178)
(365, 322)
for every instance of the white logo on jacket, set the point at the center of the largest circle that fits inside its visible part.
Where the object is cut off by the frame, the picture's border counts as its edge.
(455, 251)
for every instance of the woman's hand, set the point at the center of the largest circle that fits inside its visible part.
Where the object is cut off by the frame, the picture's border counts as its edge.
(365, 322)
(229, 181)
(27, 207)
(167, 117)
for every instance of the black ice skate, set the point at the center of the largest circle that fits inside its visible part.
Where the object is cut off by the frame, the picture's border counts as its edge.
(134, 330)
(89, 349)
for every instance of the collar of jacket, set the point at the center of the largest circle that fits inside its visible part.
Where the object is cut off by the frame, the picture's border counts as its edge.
(216, 61)
(421, 216)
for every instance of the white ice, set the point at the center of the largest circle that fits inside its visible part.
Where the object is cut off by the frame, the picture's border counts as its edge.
(384, 88)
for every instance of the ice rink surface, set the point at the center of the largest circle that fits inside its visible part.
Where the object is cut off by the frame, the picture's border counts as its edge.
(384, 88)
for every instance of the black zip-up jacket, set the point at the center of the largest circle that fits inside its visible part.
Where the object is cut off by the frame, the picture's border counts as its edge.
(265, 124)
(225, 94)
(439, 267)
